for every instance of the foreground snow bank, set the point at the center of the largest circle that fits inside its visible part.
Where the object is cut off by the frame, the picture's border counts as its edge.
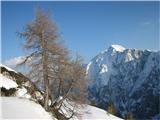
(94, 113)
(18, 108)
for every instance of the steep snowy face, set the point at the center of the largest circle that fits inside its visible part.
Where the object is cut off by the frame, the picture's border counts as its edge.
(101, 68)
(129, 77)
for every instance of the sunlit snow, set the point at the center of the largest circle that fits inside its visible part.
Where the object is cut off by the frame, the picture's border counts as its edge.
(7, 83)
(18, 108)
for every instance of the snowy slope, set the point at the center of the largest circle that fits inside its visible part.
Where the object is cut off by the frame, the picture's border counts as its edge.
(94, 113)
(7, 83)
(24, 86)
(23, 108)
(85, 112)
(16, 108)
(130, 77)
(9, 69)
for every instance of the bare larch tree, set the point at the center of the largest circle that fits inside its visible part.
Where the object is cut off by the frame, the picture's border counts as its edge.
(42, 43)
(62, 78)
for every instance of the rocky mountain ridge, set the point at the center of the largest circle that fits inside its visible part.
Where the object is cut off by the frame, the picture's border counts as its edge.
(128, 77)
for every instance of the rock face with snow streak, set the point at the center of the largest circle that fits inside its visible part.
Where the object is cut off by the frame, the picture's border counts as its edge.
(23, 87)
(128, 77)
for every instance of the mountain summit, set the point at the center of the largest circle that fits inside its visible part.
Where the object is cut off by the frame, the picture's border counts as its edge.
(118, 48)
(128, 77)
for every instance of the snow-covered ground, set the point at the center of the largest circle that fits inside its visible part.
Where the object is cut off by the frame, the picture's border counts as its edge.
(7, 83)
(19, 108)
(86, 112)
(94, 113)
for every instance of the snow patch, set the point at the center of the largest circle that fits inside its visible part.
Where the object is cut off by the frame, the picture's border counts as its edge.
(118, 48)
(7, 83)
(21, 92)
(9, 69)
(104, 69)
(88, 66)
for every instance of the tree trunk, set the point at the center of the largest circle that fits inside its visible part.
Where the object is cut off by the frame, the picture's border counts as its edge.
(46, 99)
(45, 73)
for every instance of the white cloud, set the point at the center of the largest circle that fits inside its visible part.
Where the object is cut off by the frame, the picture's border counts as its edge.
(14, 61)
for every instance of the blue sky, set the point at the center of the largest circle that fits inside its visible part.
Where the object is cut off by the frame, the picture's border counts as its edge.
(86, 27)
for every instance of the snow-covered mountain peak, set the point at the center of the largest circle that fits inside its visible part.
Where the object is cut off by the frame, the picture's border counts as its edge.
(118, 48)
(124, 75)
